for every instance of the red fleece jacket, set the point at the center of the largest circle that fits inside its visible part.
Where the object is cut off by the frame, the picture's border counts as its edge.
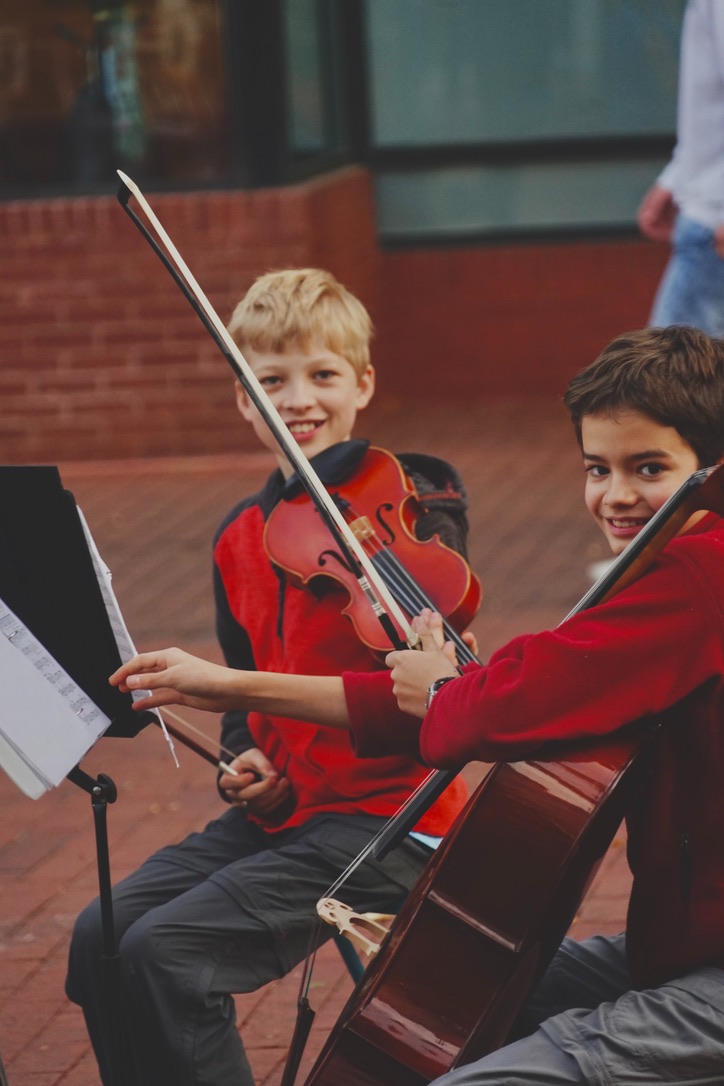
(654, 650)
(266, 622)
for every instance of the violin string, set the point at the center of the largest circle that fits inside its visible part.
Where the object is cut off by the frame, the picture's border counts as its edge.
(409, 594)
(405, 589)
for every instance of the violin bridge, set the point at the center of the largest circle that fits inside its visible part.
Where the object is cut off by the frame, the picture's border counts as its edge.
(361, 528)
(365, 931)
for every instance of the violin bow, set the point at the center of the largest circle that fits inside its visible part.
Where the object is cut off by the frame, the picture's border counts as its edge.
(371, 584)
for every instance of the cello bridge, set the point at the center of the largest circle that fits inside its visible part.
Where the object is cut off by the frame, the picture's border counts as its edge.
(365, 931)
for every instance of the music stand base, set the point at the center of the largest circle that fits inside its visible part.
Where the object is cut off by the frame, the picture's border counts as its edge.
(102, 791)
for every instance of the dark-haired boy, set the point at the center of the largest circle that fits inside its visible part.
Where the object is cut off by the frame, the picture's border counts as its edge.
(647, 1006)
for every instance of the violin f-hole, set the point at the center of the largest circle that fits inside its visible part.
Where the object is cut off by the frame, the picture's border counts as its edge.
(337, 558)
(388, 507)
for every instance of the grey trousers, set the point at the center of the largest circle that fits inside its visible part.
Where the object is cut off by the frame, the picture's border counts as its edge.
(226, 910)
(589, 1026)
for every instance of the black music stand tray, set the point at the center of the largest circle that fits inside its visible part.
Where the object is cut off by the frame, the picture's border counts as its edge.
(47, 578)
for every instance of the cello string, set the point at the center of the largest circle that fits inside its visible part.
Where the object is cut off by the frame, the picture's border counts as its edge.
(369, 847)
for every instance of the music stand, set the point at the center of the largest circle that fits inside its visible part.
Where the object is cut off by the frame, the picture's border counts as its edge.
(47, 578)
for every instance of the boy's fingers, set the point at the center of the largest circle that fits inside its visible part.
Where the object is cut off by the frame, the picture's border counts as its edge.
(149, 681)
(449, 650)
(155, 701)
(143, 662)
(428, 625)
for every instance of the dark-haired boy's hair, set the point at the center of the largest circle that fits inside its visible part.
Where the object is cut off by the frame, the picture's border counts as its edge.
(675, 375)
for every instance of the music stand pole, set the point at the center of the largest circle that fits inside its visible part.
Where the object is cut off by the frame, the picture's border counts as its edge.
(102, 791)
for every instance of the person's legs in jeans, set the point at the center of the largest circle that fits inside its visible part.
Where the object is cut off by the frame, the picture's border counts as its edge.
(692, 286)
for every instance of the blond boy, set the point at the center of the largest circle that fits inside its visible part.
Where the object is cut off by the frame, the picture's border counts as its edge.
(232, 907)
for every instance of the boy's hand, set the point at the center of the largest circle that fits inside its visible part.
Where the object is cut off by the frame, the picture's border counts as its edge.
(260, 797)
(413, 671)
(175, 677)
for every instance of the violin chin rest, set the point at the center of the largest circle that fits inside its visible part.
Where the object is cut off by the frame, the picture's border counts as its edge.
(365, 931)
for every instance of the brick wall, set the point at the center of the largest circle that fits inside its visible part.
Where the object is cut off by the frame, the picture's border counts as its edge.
(101, 356)
(510, 320)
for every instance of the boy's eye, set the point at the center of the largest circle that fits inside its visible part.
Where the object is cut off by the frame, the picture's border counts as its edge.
(596, 471)
(651, 470)
(325, 375)
(270, 381)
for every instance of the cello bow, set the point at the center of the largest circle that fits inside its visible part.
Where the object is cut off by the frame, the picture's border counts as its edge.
(503, 887)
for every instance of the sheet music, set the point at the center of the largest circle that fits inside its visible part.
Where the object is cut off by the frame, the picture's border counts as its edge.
(48, 723)
(126, 648)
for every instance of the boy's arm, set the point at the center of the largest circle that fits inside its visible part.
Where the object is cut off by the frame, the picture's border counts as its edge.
(175, 677)
(634, 657)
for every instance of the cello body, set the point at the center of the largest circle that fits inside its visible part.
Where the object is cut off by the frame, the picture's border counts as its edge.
(483, 921)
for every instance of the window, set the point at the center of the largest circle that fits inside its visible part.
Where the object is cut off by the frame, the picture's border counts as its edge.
(509, 116)
(88, 87)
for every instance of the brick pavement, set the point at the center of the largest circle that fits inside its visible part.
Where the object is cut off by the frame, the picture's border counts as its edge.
(531, 543)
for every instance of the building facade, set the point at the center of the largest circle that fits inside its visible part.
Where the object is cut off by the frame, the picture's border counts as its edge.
(470, 168)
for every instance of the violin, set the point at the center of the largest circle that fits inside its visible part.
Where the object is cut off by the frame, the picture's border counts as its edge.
(381, 507)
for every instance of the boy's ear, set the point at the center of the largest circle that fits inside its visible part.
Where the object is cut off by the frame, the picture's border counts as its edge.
(243, 402)
(365, 387)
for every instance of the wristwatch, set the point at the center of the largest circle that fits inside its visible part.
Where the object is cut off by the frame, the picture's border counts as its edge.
(434, 687)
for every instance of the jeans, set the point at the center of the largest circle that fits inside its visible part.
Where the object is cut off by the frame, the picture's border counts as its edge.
(226, 910)
(590, 1027)
(692, 287)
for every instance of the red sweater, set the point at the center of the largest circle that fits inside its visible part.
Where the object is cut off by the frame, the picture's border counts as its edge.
(654, 650)
(265, 622)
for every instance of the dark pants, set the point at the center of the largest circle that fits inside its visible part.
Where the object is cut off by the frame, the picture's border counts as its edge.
(225, 911)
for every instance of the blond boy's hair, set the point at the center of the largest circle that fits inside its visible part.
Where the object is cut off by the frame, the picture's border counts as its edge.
(291, 309)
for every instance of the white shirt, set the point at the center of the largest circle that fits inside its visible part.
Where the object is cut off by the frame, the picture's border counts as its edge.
(695, 174)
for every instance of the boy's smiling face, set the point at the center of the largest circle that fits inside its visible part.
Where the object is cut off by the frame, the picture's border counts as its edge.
(633, 464)
(316, 392)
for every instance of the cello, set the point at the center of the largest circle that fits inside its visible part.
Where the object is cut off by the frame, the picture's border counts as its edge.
(502, 889)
